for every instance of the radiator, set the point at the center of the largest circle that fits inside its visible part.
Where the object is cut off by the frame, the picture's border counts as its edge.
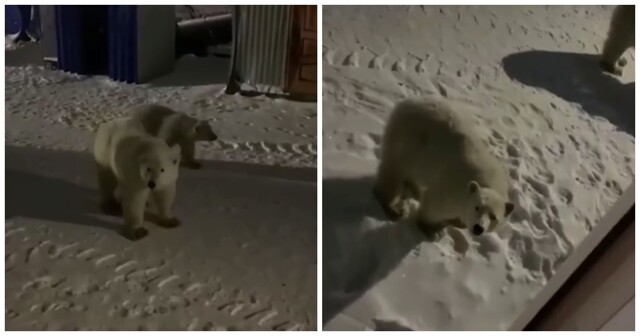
(261, 38)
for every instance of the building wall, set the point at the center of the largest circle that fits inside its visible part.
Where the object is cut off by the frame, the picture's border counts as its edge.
(183, 12)
(261, 45)
(156, 41)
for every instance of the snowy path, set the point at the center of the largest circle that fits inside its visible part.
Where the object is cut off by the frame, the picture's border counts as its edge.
(564, 129)
(244, 258)
(58, 110)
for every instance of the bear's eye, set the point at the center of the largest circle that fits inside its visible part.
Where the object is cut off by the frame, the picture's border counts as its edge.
(162, 170)
(175, 161)
(478, 208)
(148, 170)
(492, 217)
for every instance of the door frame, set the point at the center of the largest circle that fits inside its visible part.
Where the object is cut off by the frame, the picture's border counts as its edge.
(295, 61)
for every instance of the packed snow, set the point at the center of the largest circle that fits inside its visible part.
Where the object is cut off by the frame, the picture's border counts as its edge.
(245, 257)
(564, 129)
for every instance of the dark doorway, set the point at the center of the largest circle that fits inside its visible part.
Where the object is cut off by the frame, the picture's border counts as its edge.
(95, 36)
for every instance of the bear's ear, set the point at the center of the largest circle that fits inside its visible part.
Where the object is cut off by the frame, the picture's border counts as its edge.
(508, 208)
(473, 187)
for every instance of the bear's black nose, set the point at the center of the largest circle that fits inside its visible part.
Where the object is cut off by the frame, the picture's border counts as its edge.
(477, 230)
(151, 184)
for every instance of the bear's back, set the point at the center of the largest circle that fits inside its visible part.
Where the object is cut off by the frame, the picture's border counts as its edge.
(112, 131)
(126, 136)
(163, 122)
(151, 116)
(446, 149)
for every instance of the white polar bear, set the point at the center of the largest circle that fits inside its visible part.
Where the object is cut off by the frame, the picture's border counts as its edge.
(431, 153)
(621, 36)
(140, 166)
(175, 128)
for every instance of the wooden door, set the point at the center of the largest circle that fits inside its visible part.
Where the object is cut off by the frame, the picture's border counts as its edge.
(303, 63)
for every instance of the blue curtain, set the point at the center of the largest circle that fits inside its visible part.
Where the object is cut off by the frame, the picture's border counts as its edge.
(69, 42)
(75, 49)
(123, 42)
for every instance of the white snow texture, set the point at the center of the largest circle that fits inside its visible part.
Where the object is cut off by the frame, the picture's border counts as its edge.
(563, 127)
(245, 255)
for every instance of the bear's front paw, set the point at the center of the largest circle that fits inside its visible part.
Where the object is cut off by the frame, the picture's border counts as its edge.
(392, 213)
(610, 68)
(388, 211)
(408, 208)
(404, 208)
(192, 165)
(169, 222)
(622, 62)
(135, 233)
(111, 207)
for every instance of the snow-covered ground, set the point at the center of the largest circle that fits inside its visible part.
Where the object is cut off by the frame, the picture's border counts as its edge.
(60, 110)
(245, 257)
(564, 129)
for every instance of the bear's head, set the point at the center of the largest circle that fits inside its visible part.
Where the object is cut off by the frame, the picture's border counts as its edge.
(159, 166)
(487, 209)
(202, 132)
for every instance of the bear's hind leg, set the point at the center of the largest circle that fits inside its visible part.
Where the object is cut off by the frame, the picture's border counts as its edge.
(619, 39)
(107, 183)
(163, 200)
(133, 204)
(188, 148)
(388, 191)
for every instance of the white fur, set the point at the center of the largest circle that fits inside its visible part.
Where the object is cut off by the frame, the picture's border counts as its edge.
(140, 166)
(431, 153)
(175, 128)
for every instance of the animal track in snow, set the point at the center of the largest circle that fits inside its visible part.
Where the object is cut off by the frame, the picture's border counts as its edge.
(377, 62)
(108, 276)
(352, 60)
(399, 65)
(328, 55)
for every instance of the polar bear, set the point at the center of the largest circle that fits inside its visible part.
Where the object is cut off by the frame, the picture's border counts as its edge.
(621, 36)
(434, 167)
(175, 128)
(141, 167)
